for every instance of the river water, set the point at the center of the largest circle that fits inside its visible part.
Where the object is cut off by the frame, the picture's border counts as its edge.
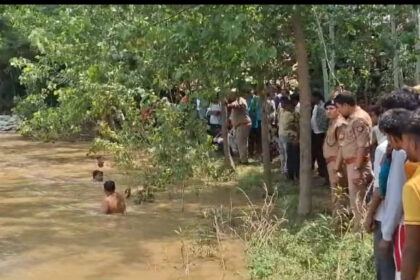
(51, 227)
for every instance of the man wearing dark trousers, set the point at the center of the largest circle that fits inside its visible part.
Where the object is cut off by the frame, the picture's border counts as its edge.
(319, 125)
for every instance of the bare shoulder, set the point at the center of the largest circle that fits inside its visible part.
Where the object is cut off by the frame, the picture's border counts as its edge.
(105, 206)
(120, 196)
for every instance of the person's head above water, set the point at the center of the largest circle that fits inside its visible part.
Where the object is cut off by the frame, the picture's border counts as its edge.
(100, 160)
(98, 175)
(109, 187)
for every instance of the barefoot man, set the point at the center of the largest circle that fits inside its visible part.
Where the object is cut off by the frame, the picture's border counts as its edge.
(114, 203)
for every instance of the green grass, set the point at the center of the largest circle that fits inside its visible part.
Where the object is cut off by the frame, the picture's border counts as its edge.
(313, 252)
(305, 248)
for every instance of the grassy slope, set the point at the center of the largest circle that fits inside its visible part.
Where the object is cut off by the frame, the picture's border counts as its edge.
(305, 248)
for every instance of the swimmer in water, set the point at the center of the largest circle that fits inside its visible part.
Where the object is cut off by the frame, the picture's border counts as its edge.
(114, 203)
(98, 176)
(101, 161)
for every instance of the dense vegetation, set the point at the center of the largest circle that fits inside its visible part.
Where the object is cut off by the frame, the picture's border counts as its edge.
(69, 69)
(134, 50)
(79, 65)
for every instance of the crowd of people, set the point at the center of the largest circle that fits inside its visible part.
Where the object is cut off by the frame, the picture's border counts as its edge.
(393, 214)
(245, 115)
(369, 157)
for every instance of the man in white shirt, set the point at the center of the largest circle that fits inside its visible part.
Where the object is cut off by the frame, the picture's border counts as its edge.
(214, 113)
(319, 125)
(377, 136)
(201, 108)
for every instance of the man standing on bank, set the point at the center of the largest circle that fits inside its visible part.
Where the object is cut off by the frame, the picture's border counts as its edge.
(330, 152)
(319, 125)
(242, 125)
(354, 142)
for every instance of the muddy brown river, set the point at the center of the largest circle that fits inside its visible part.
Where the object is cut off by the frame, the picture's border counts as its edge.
(51, 228)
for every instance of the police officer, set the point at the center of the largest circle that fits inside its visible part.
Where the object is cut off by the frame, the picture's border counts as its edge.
(354, 143)
(330, 152)
(242, 125)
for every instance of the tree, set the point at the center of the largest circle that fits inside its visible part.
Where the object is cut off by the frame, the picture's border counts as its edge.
(12, 44)
(331, 33)
(325, 63)
(305, 182)
(416, 13)
(396, 60)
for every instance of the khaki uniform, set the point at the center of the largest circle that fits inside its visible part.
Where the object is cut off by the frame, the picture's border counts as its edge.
(290, 125)
(242, 125)
(355, 135)
(330, 152)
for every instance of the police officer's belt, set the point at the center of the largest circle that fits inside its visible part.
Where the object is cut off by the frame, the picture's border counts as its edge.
(353, 160)
(330, 159)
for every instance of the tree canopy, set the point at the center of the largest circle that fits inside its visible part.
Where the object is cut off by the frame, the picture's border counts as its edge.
(80, 64)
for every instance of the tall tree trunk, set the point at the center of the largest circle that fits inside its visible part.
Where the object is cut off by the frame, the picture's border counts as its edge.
(325, 78)
(325, 64)
(324, 61)
(265, 142)
(305, 180)
(395, 60)
(365, 92)
(331, 32)
(226, 147)
(417, 21)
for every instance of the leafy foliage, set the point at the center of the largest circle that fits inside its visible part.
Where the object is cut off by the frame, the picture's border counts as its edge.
(95, 62)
